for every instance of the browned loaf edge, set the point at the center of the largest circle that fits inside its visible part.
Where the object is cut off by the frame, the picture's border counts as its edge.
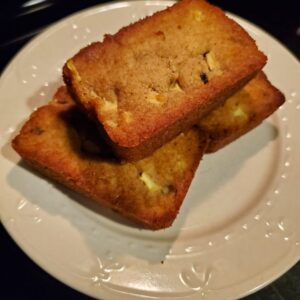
(60, 143)
(241, 113)
(159, 76)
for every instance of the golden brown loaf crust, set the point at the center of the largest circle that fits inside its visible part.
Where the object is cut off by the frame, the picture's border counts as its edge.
(59, 142)
(242, 112)
(157, 77)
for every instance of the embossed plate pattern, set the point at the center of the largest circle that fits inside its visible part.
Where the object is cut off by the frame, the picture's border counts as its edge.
(237, 230)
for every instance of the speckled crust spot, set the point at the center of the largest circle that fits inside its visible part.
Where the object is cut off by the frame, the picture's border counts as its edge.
(203, 77)
(108, 106)
(150, 183)
(198, 15)
(127, 116)
(211, 61)
(153, 97)
(175, 86)
(111, 123)
(239, 112)
(37, 130)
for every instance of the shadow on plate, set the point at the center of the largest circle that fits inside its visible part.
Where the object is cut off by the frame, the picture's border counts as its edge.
(102, 229)
(97, 224)
(222, 167)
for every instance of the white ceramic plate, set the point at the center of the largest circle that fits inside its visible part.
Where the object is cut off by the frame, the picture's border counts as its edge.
(239, 227)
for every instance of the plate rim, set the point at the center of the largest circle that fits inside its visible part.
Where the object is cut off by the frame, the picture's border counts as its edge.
(52, 28)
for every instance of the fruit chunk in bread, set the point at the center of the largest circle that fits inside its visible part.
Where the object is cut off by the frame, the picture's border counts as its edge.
(242, 112)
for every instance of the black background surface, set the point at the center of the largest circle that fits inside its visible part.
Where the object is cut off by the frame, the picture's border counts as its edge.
(20, 277)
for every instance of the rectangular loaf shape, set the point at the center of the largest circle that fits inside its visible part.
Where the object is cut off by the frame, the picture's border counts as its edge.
(62, 144)
(157, 77)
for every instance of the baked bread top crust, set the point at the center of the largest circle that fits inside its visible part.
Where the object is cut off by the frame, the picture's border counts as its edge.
(157, 77)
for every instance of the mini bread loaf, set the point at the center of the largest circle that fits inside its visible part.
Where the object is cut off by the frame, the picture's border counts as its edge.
(62, 144)
(158, 77)
(242, 112)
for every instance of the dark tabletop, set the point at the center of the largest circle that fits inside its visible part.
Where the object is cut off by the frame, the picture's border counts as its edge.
(20, 20)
